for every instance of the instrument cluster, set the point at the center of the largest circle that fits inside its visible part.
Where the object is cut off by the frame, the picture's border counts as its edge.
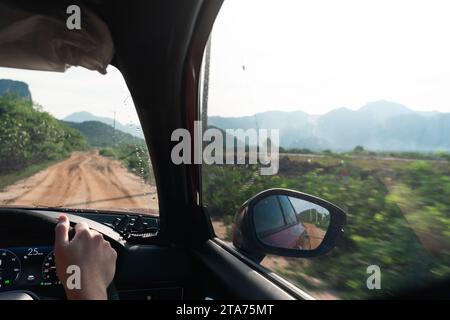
(28, 268)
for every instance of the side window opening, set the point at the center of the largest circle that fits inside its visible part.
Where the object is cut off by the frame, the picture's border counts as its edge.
(362, 112)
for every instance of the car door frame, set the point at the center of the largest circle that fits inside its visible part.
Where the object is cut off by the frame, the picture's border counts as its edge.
(161, 64)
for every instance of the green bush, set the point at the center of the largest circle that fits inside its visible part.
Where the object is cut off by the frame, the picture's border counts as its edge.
(29, 136)
(134, 157)
(108, 152)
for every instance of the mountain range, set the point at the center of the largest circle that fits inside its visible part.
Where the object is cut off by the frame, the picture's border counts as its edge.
(380, 125)
(83, 116)
(99, 134)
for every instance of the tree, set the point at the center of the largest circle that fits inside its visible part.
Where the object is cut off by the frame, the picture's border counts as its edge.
(358, 149)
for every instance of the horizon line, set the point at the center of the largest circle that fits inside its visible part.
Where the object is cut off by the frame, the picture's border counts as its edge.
(334, 109)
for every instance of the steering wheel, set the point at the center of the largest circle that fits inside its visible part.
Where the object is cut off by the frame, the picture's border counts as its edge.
(19, 225)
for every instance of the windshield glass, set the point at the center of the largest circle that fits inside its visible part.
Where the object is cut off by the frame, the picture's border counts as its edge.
(72, 140)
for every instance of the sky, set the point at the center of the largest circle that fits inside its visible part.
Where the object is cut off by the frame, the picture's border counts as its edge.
(314, 56)
(319, 55)
(78, 89)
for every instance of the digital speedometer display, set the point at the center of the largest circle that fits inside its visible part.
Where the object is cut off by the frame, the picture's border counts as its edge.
(27, 267)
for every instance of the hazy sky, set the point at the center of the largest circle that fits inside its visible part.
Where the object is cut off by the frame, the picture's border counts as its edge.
(78, 89)
(313, 55)
(317, 55)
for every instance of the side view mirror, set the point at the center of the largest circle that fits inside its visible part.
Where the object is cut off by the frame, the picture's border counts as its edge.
(287, 223)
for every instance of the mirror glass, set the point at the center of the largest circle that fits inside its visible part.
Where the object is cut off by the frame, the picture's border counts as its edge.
(290, 223)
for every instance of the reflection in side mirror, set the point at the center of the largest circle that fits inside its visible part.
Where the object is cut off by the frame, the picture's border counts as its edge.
(290, 223)
(287, 223)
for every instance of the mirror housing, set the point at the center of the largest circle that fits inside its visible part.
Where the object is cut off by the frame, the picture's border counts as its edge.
(249, 242)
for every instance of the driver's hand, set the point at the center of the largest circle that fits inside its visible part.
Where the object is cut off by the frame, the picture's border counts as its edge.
(91, 253)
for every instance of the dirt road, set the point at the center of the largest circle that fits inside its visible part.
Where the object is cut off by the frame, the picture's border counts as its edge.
(315, 234)
(85, 180)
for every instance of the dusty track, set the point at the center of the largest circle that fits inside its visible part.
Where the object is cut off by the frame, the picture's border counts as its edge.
(315, 234)
(85, 180)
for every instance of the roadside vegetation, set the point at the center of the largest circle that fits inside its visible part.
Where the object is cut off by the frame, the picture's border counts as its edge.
(398, 217)
(100, 135)
(134, 156)
(361, 152)
(31, 139)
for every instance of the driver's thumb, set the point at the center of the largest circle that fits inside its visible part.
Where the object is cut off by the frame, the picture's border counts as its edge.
(62, 231)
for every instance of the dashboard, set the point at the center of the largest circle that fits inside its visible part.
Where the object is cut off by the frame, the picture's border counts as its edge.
(145, 269)
(29, 268)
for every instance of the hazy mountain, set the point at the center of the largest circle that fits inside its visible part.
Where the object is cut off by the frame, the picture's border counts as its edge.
(99, 134)
(84, 116)
(380, 125)
(18, 87)
(383, 110)
(288, 123)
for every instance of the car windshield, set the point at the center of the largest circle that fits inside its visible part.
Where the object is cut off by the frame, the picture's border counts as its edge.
(72, 140)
